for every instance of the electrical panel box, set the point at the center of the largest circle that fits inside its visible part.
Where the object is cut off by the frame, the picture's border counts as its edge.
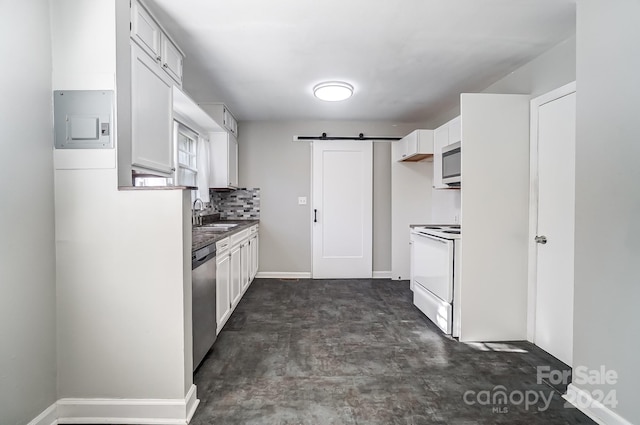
(83, 119)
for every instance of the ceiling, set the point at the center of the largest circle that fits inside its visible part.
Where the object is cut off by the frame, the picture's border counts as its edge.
(408, 59)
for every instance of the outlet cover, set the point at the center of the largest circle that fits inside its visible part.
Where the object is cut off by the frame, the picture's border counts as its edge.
(302, 200)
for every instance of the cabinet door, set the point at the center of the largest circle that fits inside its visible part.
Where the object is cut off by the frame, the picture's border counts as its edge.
(229, 122)
(171, 60)
(254, 256)
(455, 130)
(411, 144)
(440, 140)
(245, 263)
(233, 161)
(235, 276)
(223, 302)
(400, 149)
(223, 160)
(145, 31)
(151, 115)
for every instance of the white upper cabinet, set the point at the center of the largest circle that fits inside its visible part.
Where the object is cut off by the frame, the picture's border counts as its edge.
(145, 31)
(221, 114)
(455, 130)
(230, 122)
(224, 148)
(440, 140)
(223, 161)
(444, 135)
(151, 115)
(149, 35)
(171, 59)
(415, 146)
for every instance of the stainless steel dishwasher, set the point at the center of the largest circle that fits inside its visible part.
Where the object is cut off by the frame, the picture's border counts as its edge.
(203, 283)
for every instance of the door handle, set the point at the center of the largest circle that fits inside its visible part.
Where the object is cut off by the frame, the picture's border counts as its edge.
(315, 215)
(541, 240)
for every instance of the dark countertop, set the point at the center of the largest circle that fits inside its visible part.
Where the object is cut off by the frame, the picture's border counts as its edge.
(157, 188)
(203, 238)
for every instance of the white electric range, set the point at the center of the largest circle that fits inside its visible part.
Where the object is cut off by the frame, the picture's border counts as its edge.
(435, 274)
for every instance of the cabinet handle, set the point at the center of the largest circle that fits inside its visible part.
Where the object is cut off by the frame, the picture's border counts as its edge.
(315, 215)
(165, 65)
(158, 58)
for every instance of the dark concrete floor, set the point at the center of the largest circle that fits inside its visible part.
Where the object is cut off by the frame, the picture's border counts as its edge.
(359, 352)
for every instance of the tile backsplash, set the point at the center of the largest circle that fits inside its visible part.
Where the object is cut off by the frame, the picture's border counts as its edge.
(241, 204)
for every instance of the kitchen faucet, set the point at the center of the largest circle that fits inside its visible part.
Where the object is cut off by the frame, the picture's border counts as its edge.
(196, 219)
(201, 204)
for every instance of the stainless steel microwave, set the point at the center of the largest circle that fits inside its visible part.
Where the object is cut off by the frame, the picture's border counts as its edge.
(451, 156)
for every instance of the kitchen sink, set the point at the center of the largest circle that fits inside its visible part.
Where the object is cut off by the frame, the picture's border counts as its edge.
(217, 227)
(202, 229)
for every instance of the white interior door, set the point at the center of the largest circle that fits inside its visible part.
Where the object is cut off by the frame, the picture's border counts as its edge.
(342, 209)
(554, 270)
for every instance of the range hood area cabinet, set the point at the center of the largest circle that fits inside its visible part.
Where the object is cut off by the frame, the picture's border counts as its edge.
(416, 146)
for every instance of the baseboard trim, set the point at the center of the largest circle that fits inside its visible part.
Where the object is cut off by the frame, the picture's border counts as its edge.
(128, 411)
(48, 417)
(283, 275)
(593, 408)
(191, 402)
(307, 275)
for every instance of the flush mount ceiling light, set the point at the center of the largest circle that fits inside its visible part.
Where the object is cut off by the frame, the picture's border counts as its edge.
(333, 91)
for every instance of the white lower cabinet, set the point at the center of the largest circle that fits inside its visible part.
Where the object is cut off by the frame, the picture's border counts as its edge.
(223, 300)
(253, 255)
(237, 265)
(236, 276)
(245, 263)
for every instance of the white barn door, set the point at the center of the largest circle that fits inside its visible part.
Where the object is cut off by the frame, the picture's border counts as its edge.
(341, 213)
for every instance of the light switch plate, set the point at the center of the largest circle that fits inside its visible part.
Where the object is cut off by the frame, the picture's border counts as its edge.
(302, 200)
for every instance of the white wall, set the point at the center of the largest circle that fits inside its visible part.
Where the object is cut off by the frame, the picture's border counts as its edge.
(121, 313)
(27, 256)
(123, 257)
(552, 69)
(281, 168)
(607, 271)
(495, 216)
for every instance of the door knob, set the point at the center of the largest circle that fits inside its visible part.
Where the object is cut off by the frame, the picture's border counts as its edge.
(541, 240)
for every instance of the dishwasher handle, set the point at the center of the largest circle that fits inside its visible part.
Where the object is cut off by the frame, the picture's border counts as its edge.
(202, 255)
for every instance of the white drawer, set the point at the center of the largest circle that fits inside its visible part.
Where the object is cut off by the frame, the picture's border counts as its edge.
(239, 237)
(438, 311)
(222, 245)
